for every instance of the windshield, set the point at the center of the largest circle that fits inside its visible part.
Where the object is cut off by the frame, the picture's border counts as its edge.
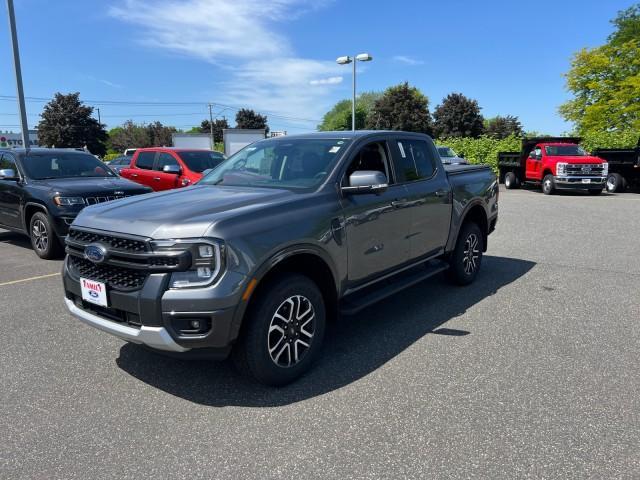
(40, 166)
(201, 161)
(565, 151)
(279, 163)
(446, 152)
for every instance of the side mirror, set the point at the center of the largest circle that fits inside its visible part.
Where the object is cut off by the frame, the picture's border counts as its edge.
(8, 174)
(174, 169)
(532, 154)
(366, 181)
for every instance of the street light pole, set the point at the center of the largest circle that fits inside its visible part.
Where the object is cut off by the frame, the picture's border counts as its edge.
(213, 144)
(18, 72)
(363, 57)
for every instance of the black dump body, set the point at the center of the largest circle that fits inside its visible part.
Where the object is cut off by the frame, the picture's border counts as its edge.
(515, 161)
(624, 161)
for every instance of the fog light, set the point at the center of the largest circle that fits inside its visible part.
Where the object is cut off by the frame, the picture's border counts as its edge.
(195, 324)
(205, 251)
(204, 272)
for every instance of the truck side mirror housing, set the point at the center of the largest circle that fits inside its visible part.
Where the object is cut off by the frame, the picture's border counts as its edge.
(366, 181)
(8, 174)
(174, 169)
(532, 154)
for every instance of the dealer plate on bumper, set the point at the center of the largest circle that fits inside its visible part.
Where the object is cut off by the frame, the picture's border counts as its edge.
(94, 292)
(586, 180)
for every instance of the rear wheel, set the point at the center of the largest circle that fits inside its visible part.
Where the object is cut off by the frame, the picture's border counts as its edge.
(43, 239)
(511, 181)
(284, 331)
(616, 183)
(548, 185)
(466, 259)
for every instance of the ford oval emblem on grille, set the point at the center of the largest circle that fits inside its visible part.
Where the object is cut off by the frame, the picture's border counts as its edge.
(95, 253)
(586, 169)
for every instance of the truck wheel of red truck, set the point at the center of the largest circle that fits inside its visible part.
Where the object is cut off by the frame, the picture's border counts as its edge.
(466, 259)
(283, 332)
(511, 181)
(548, 185)
(616, 183)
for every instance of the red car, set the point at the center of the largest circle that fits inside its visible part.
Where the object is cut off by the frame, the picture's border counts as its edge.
(163, 168)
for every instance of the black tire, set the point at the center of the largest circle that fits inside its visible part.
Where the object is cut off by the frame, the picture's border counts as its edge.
(262, 351)
(43, 238)
(548, 185)
(616, 183)
(465, 261)
(595, 191)
(511, 181)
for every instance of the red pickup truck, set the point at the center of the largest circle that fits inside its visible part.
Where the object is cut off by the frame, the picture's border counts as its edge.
(554, 163)
(163, 168)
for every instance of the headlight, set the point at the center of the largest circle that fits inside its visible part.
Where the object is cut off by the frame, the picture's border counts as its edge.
(605, 169)
(206, 264)
(68, 201)
(561, 169)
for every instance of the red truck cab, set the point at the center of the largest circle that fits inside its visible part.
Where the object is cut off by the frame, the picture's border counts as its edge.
(554, 164)
(163, 168)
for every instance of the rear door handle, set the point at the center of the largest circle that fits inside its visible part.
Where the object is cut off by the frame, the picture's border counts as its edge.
(441, 193)
(134, 174)
(157, 179)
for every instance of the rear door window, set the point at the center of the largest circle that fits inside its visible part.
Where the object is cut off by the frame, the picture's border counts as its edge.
(145, 160)
(413, 160)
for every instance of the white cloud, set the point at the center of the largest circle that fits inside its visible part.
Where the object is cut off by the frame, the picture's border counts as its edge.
(408, 60)
(326, 81)
(240, 36)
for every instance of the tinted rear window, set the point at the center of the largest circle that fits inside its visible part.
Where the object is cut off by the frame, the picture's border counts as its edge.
(145, 160)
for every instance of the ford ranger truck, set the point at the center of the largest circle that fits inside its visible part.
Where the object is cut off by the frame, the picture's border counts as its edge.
(283, 236)
(554, 164)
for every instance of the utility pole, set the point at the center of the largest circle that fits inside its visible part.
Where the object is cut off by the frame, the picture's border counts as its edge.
(98, 110)
(18, 71)
(213, 143)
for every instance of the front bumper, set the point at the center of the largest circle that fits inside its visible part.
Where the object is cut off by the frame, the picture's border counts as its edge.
(155, 316)
(578, 182)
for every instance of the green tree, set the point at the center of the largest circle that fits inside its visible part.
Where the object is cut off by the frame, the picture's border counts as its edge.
(246, 118)
(67, 123)
(339, 117)
(502, 127)
(605, 81)
(132, 135)
(401, 107)
(627, 26)
(160, 135)
(218, 126)
(458, 116)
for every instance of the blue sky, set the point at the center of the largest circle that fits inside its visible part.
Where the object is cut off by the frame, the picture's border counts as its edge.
(166, 59)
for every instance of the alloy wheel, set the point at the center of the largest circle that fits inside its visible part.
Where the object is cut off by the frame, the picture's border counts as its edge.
(40, 235)
(471, 254)
(291, 331)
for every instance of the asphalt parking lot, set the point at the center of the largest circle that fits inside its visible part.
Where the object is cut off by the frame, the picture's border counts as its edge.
(532, 372)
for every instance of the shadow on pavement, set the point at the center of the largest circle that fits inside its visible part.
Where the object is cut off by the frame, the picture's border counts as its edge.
(16, 239)
(354, 346)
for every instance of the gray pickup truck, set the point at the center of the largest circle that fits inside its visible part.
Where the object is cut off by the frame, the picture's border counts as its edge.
(278, 239)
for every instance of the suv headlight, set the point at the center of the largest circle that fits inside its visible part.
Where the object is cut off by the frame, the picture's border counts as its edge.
(561, 169)
(605, 169)
(207, 261)
(68, 201)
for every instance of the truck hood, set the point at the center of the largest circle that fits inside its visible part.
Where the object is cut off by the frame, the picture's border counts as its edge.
(181, 213)
(87, 186)
(575, 159)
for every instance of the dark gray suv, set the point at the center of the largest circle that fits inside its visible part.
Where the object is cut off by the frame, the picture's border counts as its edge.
(282, 236)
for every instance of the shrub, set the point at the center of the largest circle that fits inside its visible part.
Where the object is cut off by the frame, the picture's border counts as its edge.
(484, 149)
(110, 156)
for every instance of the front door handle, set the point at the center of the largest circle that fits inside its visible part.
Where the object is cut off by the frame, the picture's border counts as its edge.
(134, 174)
(441, 193)
(157, 179)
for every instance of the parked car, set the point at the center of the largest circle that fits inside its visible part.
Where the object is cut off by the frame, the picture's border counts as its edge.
(42, 190)
(285, 233)
(449, 157)
(165, 168)
(118, 163)
(624, 167)
(554, 163)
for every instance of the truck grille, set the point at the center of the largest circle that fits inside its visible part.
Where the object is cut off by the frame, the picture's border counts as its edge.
(118, 243)
(585, 170)
(120, 278)
(102, 199)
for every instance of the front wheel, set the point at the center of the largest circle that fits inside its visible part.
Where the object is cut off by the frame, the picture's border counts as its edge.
(284, 331)
(43, 239)
(548, 185)
(466, 259)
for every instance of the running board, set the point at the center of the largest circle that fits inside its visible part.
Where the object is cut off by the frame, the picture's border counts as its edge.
(357, 301)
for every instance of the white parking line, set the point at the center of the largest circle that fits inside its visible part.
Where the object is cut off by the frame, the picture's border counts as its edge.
(28, 279)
